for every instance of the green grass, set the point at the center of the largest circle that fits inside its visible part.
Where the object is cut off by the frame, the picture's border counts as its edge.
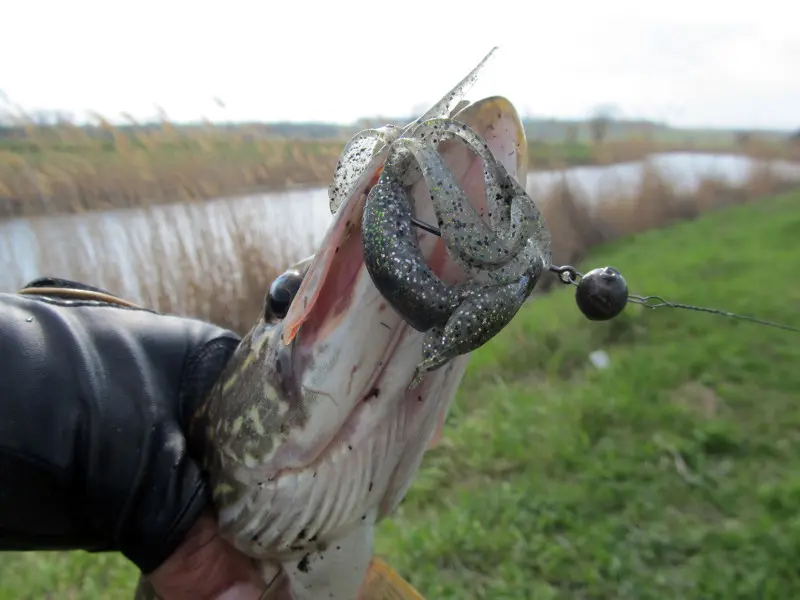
(674, 473)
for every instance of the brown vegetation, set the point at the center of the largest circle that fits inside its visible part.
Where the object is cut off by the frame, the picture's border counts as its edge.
(212, 267)
(94, 177)
(576, 226)
(63, 168)
(224, 275)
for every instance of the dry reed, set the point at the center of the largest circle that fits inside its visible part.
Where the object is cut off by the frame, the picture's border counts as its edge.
(576, 225)
(64, 168)
(51, 182)
(214, 261)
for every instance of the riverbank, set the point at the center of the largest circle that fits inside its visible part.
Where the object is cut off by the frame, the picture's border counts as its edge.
(669, 474)
(69, 172)
(214, 260)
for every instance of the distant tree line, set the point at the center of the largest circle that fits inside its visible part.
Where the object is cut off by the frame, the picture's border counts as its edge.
(602, 124)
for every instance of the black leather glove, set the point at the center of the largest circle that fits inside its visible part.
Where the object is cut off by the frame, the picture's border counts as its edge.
(94, 399)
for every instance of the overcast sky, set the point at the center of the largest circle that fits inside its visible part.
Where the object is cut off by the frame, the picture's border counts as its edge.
(696, 63)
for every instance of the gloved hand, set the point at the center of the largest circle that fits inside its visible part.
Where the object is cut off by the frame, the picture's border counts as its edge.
(94, 400)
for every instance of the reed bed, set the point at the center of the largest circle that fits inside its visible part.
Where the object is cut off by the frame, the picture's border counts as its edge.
(215, 260)
(64, 168)
(98, 178)
(577, 226)
(183, 259)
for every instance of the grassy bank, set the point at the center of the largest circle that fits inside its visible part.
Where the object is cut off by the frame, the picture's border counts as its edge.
(64, 169)
(670, 474)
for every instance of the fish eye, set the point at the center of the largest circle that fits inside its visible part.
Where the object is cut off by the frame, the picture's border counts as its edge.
(280, 295)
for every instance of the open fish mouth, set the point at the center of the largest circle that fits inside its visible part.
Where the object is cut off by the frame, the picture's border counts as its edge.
(462, 167)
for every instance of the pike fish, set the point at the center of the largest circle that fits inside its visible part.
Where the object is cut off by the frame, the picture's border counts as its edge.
(316, 428)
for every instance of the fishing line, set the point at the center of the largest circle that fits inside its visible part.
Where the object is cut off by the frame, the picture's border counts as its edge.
(602, 293)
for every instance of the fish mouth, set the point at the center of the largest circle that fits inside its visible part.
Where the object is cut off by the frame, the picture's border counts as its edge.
(348, 344)
(325, 297)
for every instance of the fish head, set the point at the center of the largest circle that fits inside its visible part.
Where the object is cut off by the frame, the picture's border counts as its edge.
(333, 377)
